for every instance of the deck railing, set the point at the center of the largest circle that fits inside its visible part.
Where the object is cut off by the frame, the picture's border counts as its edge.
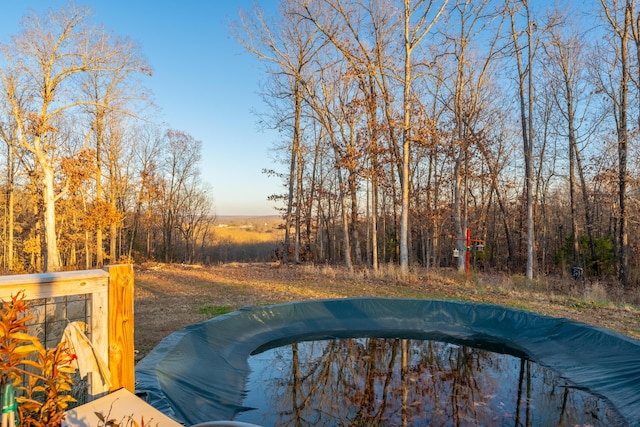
(109, 317)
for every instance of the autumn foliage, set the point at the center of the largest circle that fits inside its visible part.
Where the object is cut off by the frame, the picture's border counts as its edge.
(41, 377)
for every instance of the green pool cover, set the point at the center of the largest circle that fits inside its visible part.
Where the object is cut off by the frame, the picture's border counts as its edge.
(199, 374)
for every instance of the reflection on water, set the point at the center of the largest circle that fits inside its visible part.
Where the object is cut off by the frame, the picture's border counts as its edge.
(400, 382)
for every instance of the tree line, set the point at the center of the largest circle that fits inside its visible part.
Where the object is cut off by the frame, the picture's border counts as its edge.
(404, 124)
(407, 123)
(89, 177)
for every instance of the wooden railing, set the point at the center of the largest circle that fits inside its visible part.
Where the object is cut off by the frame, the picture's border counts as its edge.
(111, 313)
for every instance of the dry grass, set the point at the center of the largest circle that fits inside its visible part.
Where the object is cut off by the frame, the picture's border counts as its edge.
(245, 235)
(248, 230)
(169, 297)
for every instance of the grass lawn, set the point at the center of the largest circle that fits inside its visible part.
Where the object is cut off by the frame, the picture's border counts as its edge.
(169, 297)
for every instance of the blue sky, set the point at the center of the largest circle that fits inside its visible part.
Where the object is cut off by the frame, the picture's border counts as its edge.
(203, 81)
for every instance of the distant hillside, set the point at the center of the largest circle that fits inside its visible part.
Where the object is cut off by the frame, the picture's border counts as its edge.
(256, 223)
(243, 219)
(245, 238)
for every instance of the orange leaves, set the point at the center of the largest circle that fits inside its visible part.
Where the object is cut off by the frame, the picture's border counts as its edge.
(80, 167)
(101, 214)
(42, 376)
(15, 343)
(47, 395)
(37, 125)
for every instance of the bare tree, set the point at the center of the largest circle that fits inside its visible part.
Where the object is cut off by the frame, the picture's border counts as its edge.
(147, 152)
(470, 82)
(112, 98)
(419, 19)
(323, 95)
(45, 61)
(287, 46)
(9, 134)
(349, 28)
(619, 14)
(180, 170)
(194, 217)
(526, 98)
(565, 61)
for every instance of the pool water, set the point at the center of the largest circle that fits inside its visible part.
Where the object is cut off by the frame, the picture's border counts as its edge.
(406, 382)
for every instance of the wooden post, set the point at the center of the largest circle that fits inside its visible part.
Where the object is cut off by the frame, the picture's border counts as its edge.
(121, 347)
(99, 337)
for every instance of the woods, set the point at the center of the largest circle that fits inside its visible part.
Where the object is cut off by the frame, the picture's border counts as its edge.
(402, 126)
(88, 178)
(410, 123)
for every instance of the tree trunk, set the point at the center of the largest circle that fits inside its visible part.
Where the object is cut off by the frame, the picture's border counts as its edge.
(9, 220)
(345, 216)
(52, 258)
(622, 151)
(11, 225)
(525, 95)
(572, 191)
(528, 152)
(295, 152)
(355, 233)
(587, 212)
(113, 240)
(298, 214)
(373, 155)
(457, 212)
(406, 128)
(99, 243)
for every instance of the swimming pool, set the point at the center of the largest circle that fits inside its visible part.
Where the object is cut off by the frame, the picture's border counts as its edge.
(200, 373)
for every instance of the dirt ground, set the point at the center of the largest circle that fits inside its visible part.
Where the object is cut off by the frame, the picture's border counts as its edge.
(169, 297)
